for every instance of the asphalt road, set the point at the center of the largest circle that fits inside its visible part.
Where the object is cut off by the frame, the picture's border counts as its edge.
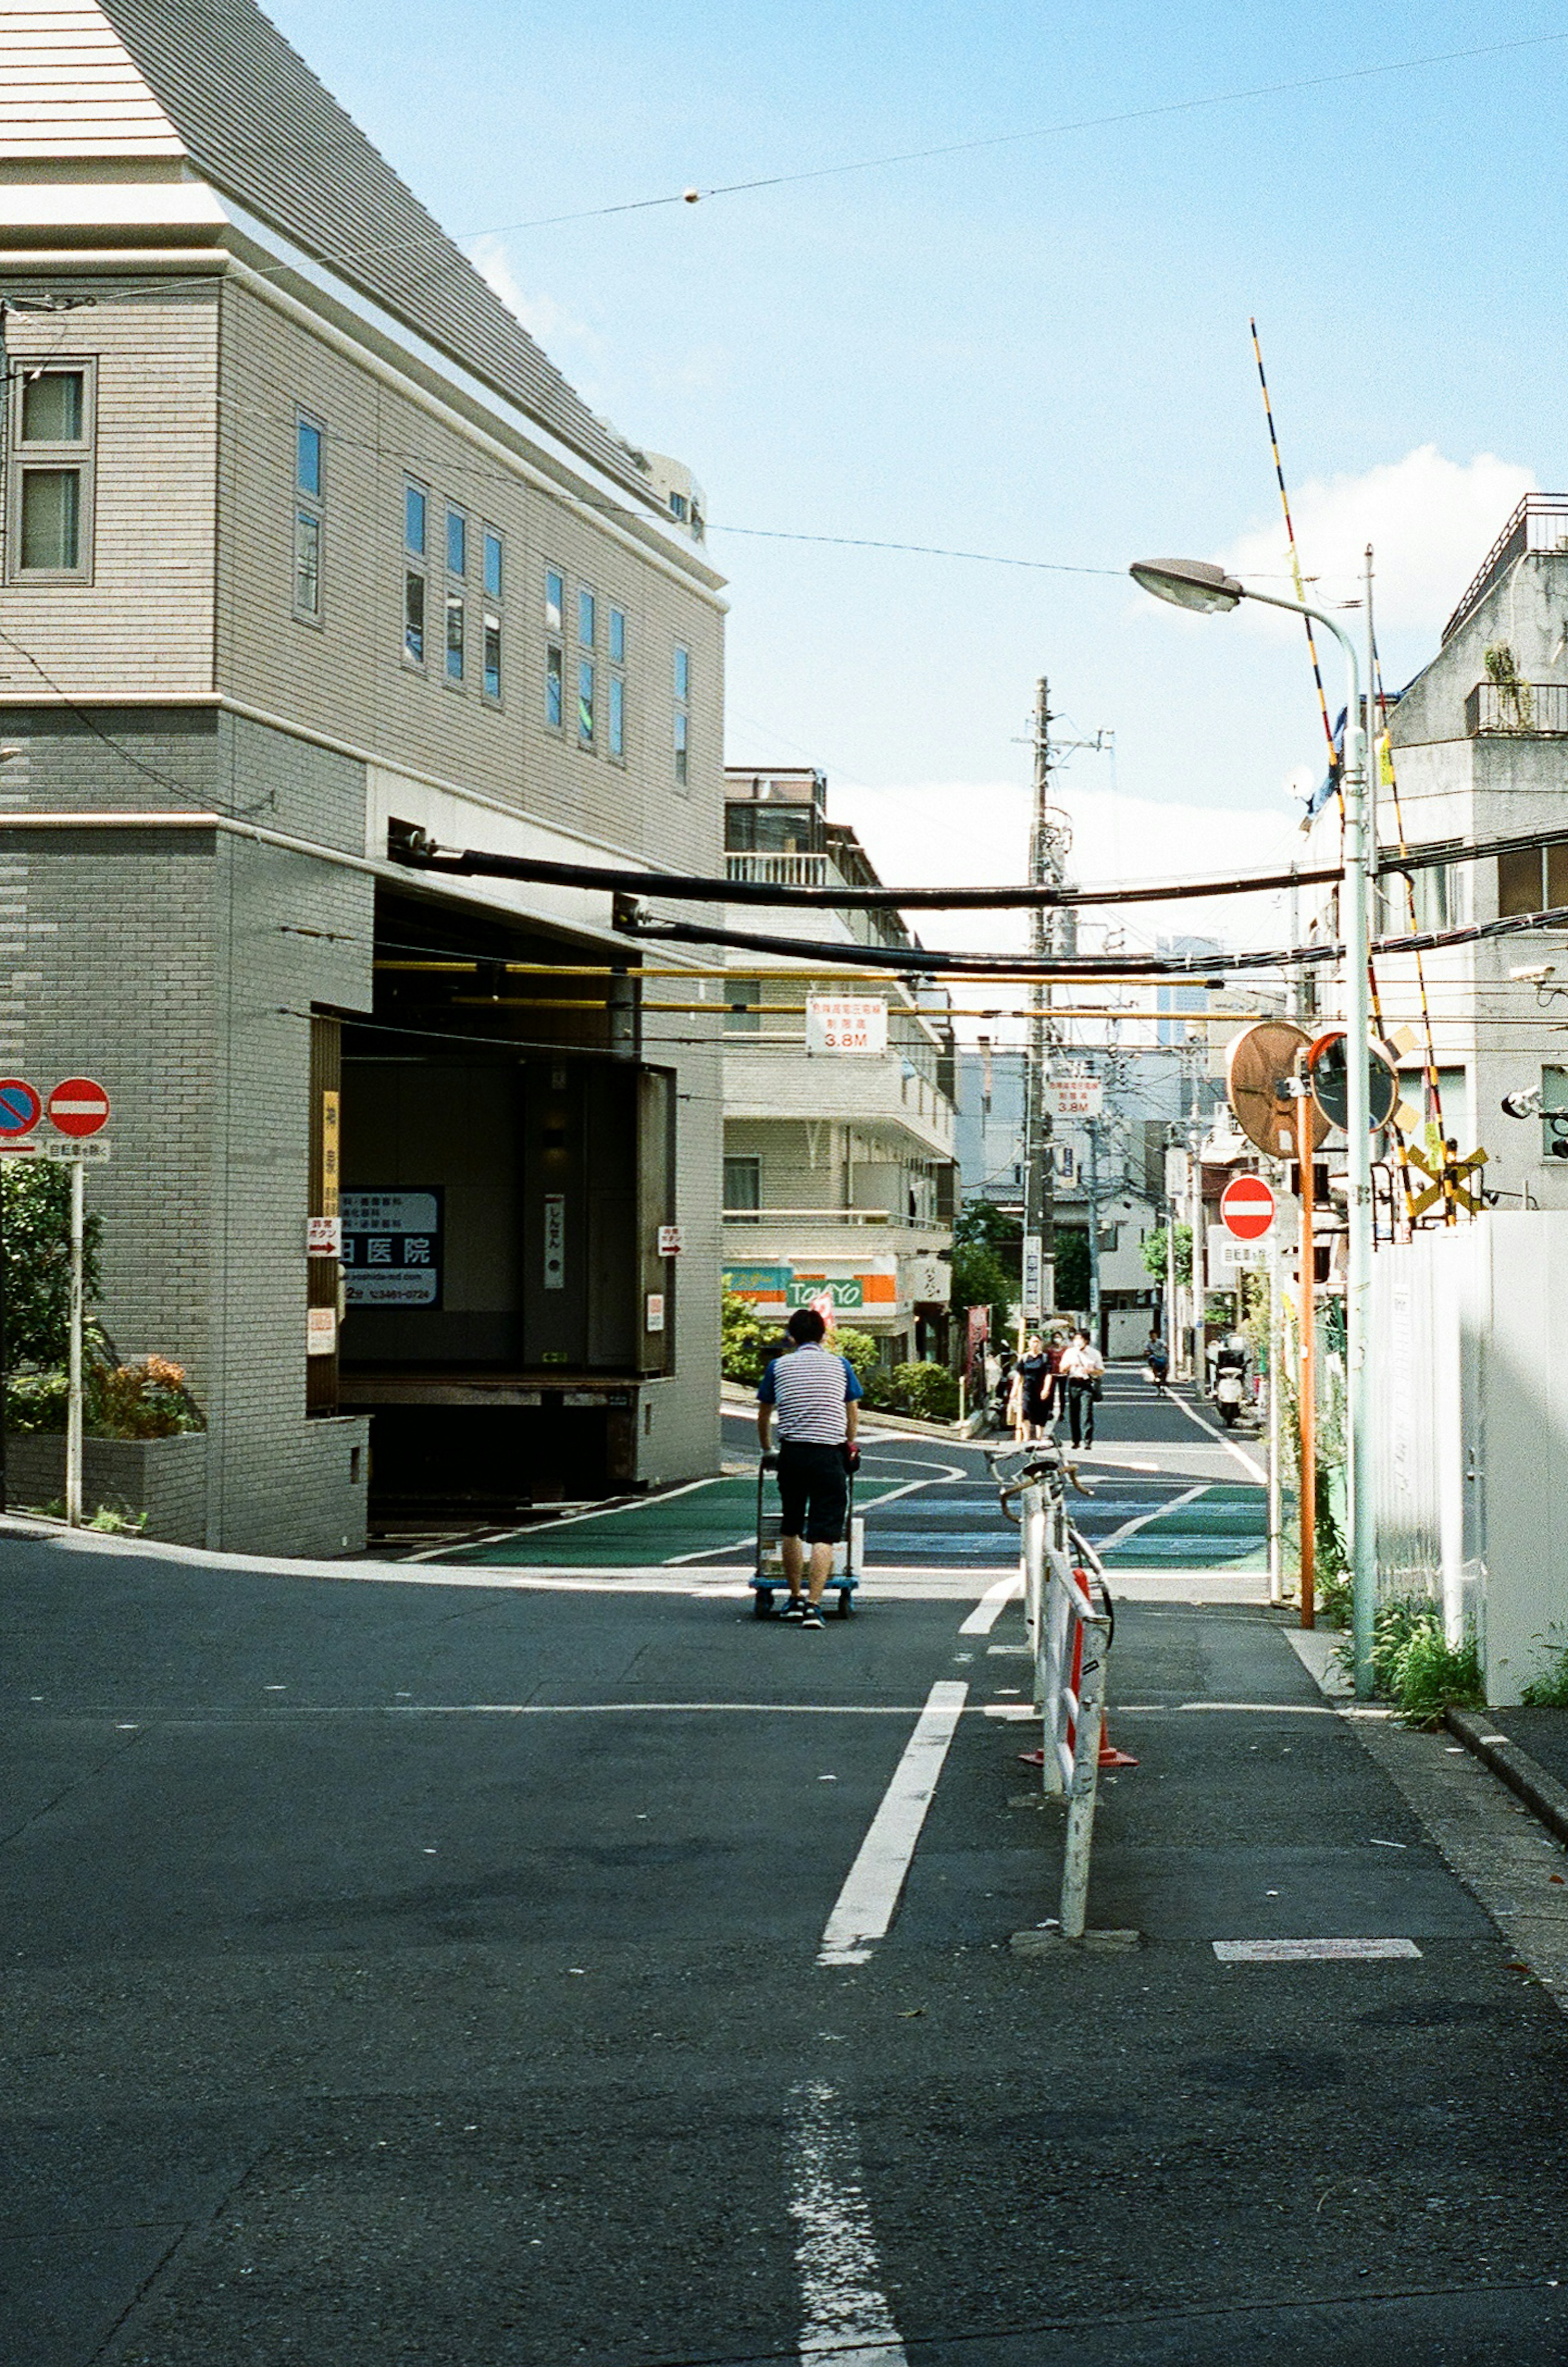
(1171, 1488)
(420, 1965)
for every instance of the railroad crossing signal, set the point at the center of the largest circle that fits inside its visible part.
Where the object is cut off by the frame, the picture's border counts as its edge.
(1456, 1180)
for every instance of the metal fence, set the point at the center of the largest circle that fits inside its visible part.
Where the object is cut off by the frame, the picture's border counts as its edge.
(1529, 710)
(1070, 1624)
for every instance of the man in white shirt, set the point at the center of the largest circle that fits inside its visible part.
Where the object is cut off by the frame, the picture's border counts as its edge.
(1082, 1368)
(815, 1394)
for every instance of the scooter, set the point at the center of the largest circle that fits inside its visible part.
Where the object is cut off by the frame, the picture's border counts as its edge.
(1230, 1394)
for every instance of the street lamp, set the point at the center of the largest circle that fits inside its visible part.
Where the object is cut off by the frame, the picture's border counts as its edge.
(1197, 584)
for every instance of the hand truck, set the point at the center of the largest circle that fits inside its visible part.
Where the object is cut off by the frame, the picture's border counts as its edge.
(767, 1575)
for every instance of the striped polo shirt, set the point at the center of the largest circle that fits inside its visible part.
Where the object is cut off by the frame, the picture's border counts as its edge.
(810, 1388)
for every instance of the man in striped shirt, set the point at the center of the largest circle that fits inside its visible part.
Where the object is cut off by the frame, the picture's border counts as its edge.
(814, 1392)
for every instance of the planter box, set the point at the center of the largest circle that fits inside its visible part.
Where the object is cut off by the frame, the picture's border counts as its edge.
(163, 1478)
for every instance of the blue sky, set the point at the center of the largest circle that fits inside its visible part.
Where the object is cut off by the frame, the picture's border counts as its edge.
(1038, 349)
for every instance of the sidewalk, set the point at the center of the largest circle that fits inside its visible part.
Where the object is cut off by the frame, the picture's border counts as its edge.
(1348, 2151)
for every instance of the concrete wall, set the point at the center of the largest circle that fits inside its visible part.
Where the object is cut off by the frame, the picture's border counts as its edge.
(178, 966)
(1470, 1340)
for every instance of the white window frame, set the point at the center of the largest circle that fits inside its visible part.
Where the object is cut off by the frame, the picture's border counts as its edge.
(310, 516)
(681, 730)
(42, 459)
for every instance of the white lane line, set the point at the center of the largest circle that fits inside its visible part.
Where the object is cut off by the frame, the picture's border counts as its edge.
(1254, 1470)
(988, 1610)
(552, 1709)
(1131, 1528)
(862, 1505)
(845, 2317)
(872, 1887)
(1304, 1951)
(598, 1511)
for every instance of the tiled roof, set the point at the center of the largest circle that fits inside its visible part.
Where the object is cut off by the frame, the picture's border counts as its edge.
(215, 80)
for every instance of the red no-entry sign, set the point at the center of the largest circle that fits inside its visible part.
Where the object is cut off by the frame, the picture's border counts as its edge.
(78, 1106)
(1247, 1207)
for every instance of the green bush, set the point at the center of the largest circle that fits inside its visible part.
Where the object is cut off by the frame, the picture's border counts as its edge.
(36, 1402)
(146, 1399)
(743, 1340)
(1550, 1689)
(859, 1351)
(927, 1390)
(37, 1194)
(1414, 1665)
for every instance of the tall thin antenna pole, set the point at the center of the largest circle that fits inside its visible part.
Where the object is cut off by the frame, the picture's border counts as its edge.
(1291, 539)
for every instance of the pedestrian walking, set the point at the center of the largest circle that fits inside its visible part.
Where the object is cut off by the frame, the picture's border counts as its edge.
(814, 1392)
(1083, 1371)
(1034, 1381)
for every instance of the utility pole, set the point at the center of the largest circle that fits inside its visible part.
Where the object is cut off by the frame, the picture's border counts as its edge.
(1094, 1233)
(1047, 847)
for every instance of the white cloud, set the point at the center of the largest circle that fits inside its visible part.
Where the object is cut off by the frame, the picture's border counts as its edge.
(1430, 522)
(939, 832)
(543, 318)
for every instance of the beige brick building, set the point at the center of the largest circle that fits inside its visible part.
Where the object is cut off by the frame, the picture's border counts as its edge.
(308, 549)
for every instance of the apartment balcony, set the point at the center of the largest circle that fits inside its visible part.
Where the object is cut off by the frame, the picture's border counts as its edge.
(885, 1094)
(1517, 711)
(866, 928)
(1541, 523)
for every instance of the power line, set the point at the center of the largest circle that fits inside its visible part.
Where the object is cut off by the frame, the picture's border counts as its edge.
(1013, 139)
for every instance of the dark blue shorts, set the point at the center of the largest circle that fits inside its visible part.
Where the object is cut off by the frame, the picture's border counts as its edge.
(814, 1490)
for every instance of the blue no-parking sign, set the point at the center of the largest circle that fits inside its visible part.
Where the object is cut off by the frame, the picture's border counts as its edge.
(20, 1107)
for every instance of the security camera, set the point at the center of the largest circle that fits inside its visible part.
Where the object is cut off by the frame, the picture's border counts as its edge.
(1525, 1104)
(1536, 975)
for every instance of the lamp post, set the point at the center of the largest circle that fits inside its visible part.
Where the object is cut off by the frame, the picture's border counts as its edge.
(1194, 583)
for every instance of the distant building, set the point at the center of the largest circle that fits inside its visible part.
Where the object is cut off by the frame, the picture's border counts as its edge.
(839, 1174)
(1479, 743)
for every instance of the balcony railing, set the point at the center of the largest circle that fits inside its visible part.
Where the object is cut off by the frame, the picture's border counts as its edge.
(1522, 711)
(783, 870)
(816, 1217)
(1541, 523)
(871, 927)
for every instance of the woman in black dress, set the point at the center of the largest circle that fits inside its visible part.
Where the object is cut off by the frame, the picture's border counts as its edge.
(1035, 1379)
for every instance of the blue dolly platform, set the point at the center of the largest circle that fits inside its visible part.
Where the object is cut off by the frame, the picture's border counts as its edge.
(767, 1575)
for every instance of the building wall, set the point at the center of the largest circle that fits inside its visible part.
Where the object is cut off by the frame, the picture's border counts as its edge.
(143, 626)
(179, 967)
(347, 677)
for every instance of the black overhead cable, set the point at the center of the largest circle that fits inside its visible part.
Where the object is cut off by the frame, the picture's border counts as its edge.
(1213, 965)
(419, 854)
(472, 862)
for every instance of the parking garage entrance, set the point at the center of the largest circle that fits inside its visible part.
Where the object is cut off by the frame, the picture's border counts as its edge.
(507, 1161)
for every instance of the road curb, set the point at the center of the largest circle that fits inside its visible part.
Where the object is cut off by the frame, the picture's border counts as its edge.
(1541, 1792)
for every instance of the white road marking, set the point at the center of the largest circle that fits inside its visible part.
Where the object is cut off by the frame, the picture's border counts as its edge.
(988, 1610)
(1131, 1528)
(872, 1887)
(1219, 1438)
(1300, 1952)
(845, 2312)
(556, 1709)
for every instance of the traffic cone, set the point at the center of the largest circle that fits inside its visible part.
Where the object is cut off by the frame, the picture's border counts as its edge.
(1109, 1754)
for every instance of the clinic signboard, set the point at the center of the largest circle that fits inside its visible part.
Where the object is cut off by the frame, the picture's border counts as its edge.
(392, 1246)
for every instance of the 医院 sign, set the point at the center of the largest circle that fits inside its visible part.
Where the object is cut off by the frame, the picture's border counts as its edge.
(392, 1248)
(846, 1022)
